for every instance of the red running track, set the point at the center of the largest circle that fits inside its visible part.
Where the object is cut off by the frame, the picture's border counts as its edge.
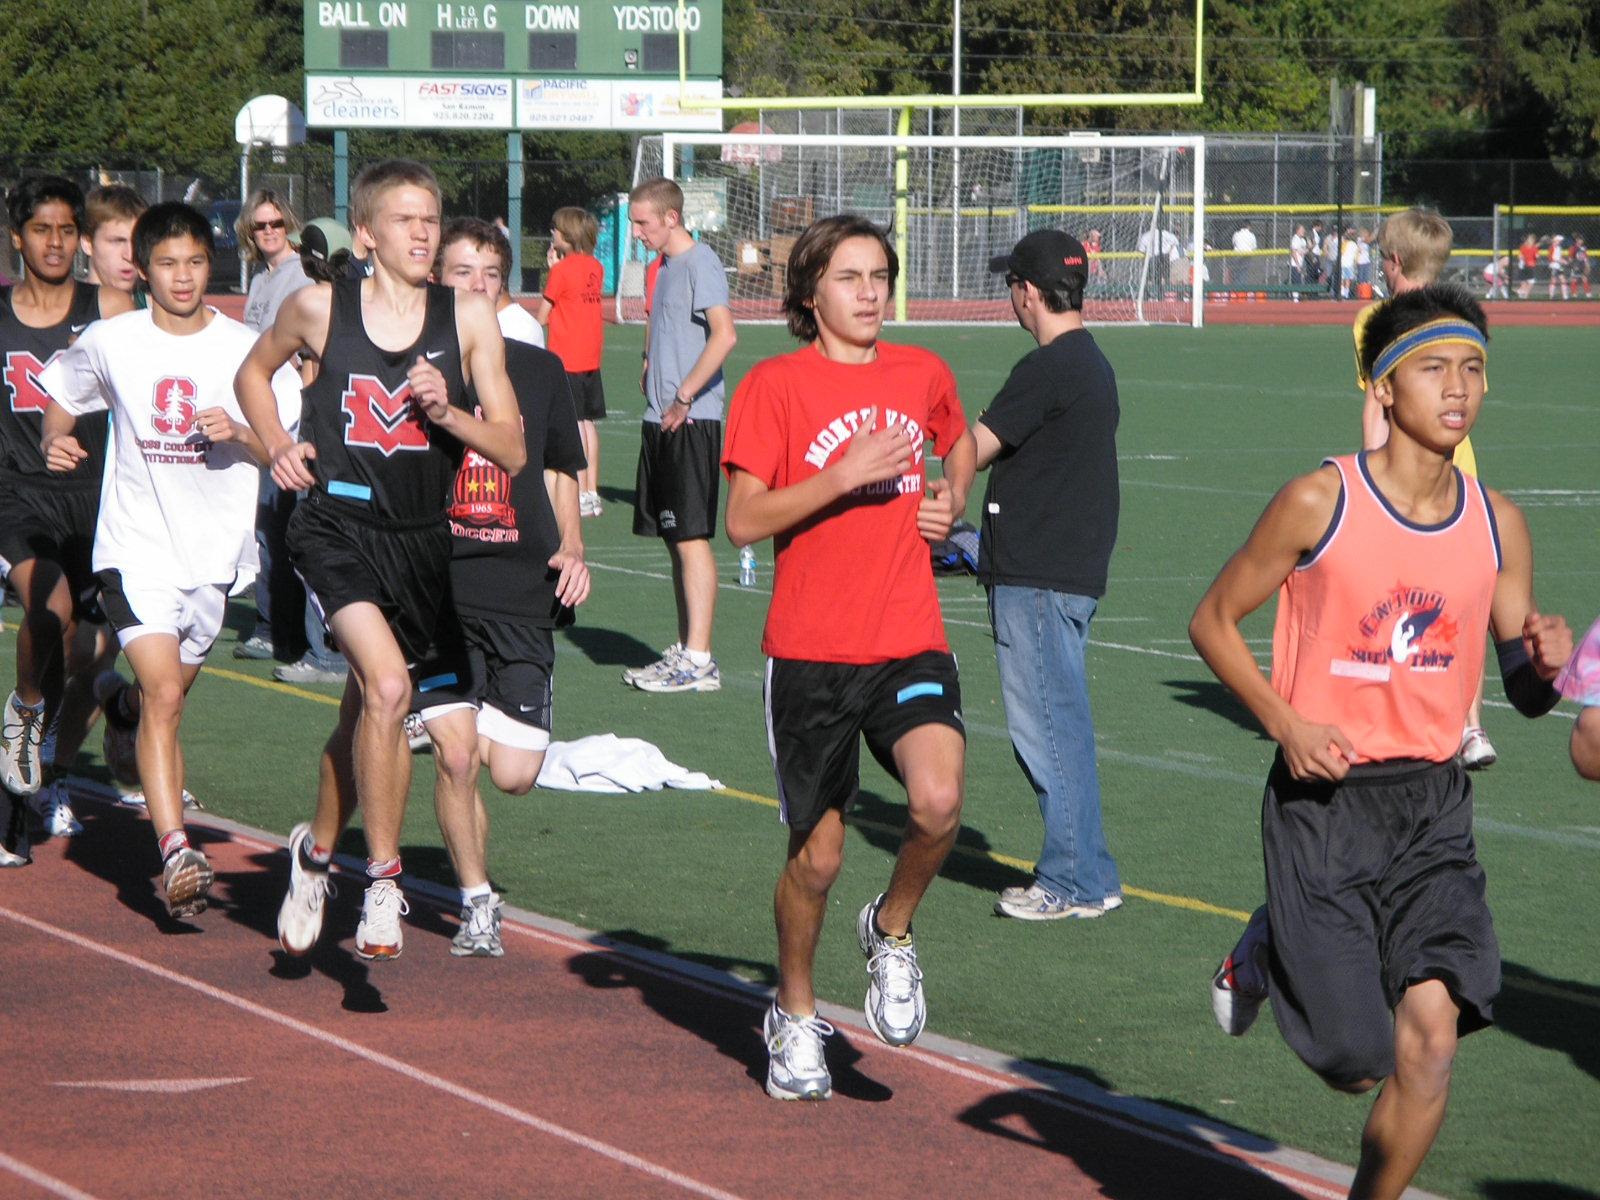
(151, 1057)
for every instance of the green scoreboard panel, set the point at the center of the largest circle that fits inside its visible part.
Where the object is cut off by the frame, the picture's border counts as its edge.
(519, 64)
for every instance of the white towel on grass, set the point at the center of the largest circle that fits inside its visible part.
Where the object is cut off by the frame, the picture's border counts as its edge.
(604, 762)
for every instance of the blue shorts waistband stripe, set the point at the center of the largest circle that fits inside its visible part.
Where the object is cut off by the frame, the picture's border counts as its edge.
(437, 681)
(918, 689)
(350, 491)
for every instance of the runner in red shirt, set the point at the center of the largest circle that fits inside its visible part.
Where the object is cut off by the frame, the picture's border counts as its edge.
(825, 454)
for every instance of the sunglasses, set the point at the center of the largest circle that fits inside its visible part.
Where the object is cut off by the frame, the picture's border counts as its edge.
(263, 226)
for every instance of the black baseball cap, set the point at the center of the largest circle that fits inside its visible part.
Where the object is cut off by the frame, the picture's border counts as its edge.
(1046, 258)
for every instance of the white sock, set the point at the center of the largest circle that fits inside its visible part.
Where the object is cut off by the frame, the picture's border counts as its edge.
(699, 658)
(468, 894)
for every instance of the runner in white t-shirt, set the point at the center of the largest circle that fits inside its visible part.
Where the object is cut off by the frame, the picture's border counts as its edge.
(176, 531)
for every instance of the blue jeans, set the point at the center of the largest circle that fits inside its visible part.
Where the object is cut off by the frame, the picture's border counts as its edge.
(1039, 642)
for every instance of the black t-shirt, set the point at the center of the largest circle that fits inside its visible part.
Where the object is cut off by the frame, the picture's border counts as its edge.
(504, 529)
(1050, 508)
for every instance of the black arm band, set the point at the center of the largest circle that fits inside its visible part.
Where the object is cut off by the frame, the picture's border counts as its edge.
(1529, 695)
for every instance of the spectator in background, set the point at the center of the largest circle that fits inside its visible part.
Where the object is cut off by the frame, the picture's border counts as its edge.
(1528, 261)
(1330, 260)
(267, 230)
(1314, 254)
(1162, 249)
(570, 306)
(108, 216)
(1363, 262)
(1298, 245)
(1495, 275)
(1244, 245)
(1580, 265)
(1558, 267)
(1091, 246)
(1347, 263)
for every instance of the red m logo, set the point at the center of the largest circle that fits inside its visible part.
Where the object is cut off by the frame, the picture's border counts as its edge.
(23, 369)
(380, 419)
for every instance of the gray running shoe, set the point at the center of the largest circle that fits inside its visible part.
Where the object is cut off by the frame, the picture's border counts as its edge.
(660, 669)
(300, 915)
(307, 671)
(1038, 903)
(796, 1068)
(255, 646)
(21, 737)
(186, 878)
(479, 935)
(685, 678)
(896, 1010)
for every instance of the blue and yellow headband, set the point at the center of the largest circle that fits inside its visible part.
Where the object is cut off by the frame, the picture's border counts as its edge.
(1445, 330)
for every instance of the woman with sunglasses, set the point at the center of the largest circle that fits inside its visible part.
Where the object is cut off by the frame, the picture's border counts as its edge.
(267, 229)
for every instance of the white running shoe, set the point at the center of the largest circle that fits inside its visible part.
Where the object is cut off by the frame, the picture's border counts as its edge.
(1240, 984)
(479, 935)
(796, 1068)
(1477, 752)
(417, 733)
(378, 935)
(660, 669)
(21, 738)
(896, 1010)
(186, 877)
(300, 915)
(54, 808)
(685, 677)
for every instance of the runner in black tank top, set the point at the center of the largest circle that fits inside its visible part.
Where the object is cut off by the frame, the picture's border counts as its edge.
(47, 521)
(383, 429)
(374, 447)
(26, 351)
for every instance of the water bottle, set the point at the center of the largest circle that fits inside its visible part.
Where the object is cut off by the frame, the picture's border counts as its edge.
(747, 566)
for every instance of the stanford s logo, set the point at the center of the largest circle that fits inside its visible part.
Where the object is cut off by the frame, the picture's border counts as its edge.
(174, 404)
(23, 369)
(380, 419)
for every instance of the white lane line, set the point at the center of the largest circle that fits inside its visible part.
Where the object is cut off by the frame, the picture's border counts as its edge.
(49, 1183)
(387, 1062)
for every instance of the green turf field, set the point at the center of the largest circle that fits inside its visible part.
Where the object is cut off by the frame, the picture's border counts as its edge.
(1212, 422)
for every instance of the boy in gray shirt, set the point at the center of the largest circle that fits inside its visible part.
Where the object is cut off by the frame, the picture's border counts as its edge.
(689, 337)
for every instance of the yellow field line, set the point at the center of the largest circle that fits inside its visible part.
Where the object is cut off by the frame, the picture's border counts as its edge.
(272, 685)
(1020, 864)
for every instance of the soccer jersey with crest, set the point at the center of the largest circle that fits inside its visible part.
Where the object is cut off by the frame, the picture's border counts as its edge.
(504, 529)
(375, 449)
(174, 508)
(27, 351)
(1381, 629)
(855, 583)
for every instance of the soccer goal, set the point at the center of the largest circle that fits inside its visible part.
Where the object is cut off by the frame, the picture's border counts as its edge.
(952, 203)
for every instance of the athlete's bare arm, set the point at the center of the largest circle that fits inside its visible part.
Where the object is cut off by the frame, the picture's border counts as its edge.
(302, 324)
(572, 578)
(720, 341)
(946, 498)
(497, 435)
(756, 512)
(1292, 524)
(217, 425)
(1513, 612)
(61, 450)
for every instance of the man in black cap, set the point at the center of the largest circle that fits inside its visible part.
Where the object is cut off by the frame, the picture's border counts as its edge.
(1049, 523)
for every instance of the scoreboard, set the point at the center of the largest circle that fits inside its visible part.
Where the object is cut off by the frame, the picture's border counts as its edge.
(513, 64)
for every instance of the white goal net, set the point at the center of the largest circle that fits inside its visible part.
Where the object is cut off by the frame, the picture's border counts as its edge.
(951, 203)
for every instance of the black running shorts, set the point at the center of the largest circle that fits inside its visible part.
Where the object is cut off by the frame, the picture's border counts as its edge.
(588, 395)
(517, 662)
(817, 713)
(678, 481)
(1373, 884)
(52, 524)
(344, 558)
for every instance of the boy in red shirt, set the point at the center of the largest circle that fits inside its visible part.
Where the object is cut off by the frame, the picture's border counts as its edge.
(570, 307)
(825, 455)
